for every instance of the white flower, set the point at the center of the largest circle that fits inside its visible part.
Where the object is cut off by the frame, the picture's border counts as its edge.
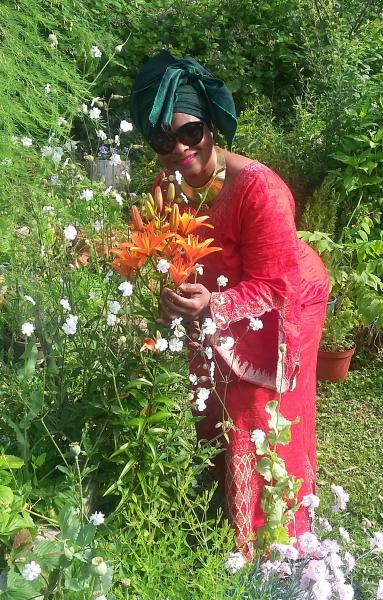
(184, 198)
(255, 324)
(222, 281)
(86, 194)
(98, 225)
(209, 327)
(176, 323)
(84, 109)
(349, 560)
(125, 126)
(30, 299)
(202, 395)
(61, 121)
(98, 518)
(108, 275)
(257, 436)
(94, 113)
(118, 198)
(31, 571)
(341, 498)
(47, 209)
(95, 52)
(198, 269)
(56, 155)
(114, 307)
(65, 304)
(161, 344)
(379, 594)
(47, 88)
(308, 542)
(26, 142)
(178, 176)
(310, 501)
(324, 523)
(209, 352)
(376, 542)
(286, 550)
(70, 325)
(126, 288)
(53, 41)
(235, 562)
(70, 233)
(175, 344)
(227, 343)
(115, 159)
(118, 49)
(102, 597)
(345, 535)
(322, 590)
(193, 378)
(111, 319)
(212, 370)
(101, 134)
(92, 295)
(42, 251)
(46, 151)
(117, 140)
(27, 328)
(163, 265)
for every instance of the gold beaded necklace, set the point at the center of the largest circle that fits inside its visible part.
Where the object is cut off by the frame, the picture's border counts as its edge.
(208, 192)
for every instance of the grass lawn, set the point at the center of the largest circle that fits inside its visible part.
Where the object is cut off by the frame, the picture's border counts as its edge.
(350, 453)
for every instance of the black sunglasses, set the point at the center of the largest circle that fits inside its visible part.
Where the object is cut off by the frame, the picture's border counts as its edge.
(189, 134)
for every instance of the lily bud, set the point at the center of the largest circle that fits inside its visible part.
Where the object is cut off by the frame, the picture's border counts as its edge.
(158, 199)
(136, 218)
(171, 192)
(150, 199)
(150, 213)
(174, 218)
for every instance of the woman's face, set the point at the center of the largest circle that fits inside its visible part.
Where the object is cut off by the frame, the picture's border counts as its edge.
(195, 163)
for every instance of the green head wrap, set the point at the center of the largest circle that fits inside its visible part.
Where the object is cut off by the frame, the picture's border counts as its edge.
(166, 84)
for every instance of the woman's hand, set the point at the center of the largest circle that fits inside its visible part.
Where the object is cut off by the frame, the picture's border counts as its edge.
(189, 307)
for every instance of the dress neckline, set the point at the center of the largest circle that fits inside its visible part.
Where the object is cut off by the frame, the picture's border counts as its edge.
(234, 181)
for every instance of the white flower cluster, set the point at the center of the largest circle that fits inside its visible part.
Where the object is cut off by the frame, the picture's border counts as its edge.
(70, 325)
(31, 571)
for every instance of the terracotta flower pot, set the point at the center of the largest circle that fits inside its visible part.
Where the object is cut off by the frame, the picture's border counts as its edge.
(334, 366)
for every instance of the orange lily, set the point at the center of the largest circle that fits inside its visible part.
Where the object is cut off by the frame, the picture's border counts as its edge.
(195, 249)
(148, 344)
(147, 242)
(189, 223)
(126, 261)
(180, 269)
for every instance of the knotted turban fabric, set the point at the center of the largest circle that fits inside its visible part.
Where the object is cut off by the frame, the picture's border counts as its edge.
(166, 84)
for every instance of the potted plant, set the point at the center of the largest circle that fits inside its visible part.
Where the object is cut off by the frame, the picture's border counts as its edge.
(337, 345)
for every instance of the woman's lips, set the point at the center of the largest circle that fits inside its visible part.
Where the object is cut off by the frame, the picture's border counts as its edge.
(186, 160)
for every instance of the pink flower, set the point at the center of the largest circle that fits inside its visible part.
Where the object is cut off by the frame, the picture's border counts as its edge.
(324, 523)
(308, 543)
(329, 546)
(310, 501)
(376, 542)
(341, 498)
(349, 560)
(286, 550)
(316, 570)
(345, 591)
(322, 590)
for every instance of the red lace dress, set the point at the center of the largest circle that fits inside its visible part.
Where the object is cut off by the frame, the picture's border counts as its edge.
(275, 277)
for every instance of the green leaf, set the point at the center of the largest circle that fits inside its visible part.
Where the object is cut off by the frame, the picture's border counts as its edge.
(8, 461)
(159, 416)
(264, 468)
(6, 495)
(69, 524)
(86, 535)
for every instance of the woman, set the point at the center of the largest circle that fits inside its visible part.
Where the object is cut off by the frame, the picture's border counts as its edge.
(272, 297)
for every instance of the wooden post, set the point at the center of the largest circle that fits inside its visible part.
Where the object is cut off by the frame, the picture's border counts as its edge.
(115, 175)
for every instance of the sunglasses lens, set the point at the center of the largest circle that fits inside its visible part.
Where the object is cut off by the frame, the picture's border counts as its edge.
(189, 134)
(162, 143)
